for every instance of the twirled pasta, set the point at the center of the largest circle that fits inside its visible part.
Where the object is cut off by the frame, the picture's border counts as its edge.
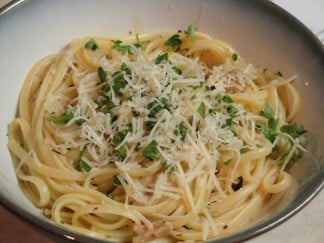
(164, 135)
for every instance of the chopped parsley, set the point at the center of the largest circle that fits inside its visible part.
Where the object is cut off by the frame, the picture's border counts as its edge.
(244, 150)
(116, 180)
(111, 196)
(181, 129)
(80, 121)
(176, 70)
(106, 108)
(119, 137)
(191, 31)
(91, 44)
(279, 74)
(167, 166)
(201, 109)
(156, 106)
(161, 57)
(234, 57)
(106, 92)
(231, 110)
(151, 151)
(230, 124)
(267, 112)
(149, 125)
(123, 49)
(138, 43)
(297, 154)
(227, 162)
(61, 119)
(135, 112)
(119, 82)
(293, 129)
(125, 68)
(174, 41)
(122, 152)
(227, 99)
(101, 74)
(84, 166)
(79, 163)
(270, 130)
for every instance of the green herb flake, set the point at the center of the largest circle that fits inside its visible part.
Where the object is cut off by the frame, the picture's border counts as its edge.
(279, 74)
(297, 154)
(272, 123)
(138, 43)
(191, 31)
(106, 108)
(119, 82)
(156, 106)
(91, 44)
(116, 180)
(79, 163)
(123, 49)
(101, 74)
(269, 133)
(162, 57)
(227, 99)
(135, 113)
(284, 156)
(149, 125)
(244, 150)
(167, 166)
(119, 137)
(181, 129)
(227, 162)
(231, 110)
(174, 41)
(80, 121)
(201, 109)
(122, 152)
(269, 130)
(111, 196)
(293, 129)
(230, 125)
(267, 112)
(61, 119)
(176, 70)
(234, 57)
(126, 69)
(200, 85)
(106, 91)
(151, 151)
(84, 166)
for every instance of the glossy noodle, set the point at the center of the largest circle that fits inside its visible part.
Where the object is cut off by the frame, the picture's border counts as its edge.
(169, 135)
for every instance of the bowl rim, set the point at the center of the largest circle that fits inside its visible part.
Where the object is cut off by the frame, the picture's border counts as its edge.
(242, 235)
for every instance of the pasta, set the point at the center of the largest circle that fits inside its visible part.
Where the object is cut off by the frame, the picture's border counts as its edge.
(169, 135)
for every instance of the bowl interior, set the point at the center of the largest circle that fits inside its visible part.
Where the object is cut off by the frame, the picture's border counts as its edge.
(262, 33)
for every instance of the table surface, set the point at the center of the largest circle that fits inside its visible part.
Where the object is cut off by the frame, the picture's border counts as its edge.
(306, 226)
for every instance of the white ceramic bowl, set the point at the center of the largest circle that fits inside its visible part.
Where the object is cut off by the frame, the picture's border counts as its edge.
(262, 33)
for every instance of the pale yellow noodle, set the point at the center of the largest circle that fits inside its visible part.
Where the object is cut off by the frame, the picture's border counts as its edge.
(189, 206)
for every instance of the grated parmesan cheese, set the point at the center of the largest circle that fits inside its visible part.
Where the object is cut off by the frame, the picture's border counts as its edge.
(176, 103)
